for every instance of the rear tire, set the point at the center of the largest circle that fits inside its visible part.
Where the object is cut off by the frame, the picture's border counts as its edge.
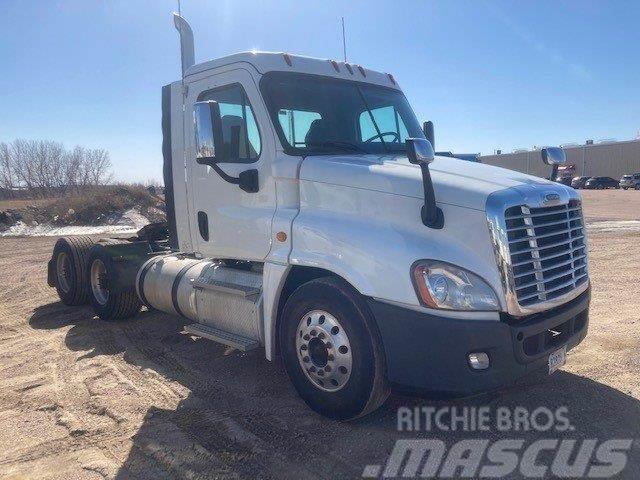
(70, 258)
(107, 304)
(332, 350)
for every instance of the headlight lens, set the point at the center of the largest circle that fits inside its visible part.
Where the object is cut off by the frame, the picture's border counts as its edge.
(445, 286)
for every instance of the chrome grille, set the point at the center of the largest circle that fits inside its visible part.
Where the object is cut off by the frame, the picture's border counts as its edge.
(547, 249)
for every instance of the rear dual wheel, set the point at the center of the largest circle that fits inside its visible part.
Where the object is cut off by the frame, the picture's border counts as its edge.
(332, 350)
(70, 259)
(109, 302)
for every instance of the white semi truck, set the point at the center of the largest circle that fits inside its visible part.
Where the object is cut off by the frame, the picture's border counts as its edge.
(307, 215)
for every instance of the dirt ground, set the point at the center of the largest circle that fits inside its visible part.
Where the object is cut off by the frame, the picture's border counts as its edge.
(84, 399)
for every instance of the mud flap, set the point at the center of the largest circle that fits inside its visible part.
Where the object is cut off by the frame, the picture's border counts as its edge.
(51, 272)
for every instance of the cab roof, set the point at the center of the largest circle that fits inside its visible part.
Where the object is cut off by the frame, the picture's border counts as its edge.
(265, 62)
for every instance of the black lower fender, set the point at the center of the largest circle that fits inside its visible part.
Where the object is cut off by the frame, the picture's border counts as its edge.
(127, 258)
(429, 353)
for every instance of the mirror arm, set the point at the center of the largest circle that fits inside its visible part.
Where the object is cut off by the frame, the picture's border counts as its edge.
(226, 177)
(554, 172)
(247, 181)
(432, 215)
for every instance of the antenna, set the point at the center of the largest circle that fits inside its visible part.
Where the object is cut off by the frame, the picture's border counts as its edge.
(179, 11)
(344, 43)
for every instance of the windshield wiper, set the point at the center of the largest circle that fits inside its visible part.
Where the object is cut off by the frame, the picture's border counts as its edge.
(339, 144)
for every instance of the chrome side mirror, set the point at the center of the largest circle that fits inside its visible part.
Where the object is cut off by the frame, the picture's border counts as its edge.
(208, 131)
(553, 156)
(420, 151)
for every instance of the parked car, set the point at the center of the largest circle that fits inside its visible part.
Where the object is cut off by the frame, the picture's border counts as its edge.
(630, 181)
(600, 183)
(578, 182)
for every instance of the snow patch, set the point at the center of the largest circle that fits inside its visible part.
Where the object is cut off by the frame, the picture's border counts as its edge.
(130, 222)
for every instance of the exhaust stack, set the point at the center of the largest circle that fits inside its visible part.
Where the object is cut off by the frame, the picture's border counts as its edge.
(187, 54)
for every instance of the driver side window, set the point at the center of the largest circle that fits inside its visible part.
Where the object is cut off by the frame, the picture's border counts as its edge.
(388, 120)
(240, 135)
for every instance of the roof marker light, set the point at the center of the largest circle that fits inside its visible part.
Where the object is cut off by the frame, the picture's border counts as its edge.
(335, 66)
(361, 70)
(393, 80)
(349, 68)
(287, 58)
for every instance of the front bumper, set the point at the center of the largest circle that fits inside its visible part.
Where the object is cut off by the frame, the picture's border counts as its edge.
(428, 353)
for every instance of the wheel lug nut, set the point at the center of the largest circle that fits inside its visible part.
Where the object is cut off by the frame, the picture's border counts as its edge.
(305, 359)
(330, 358)
(321, 372)
(321, 335)
(327, 368)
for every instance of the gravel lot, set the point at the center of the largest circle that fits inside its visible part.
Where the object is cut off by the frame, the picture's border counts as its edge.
(84, 399)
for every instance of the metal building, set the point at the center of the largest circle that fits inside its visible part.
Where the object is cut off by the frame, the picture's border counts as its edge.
(602, 159)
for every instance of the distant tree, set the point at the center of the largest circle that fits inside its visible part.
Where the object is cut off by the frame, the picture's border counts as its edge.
(45, 168)
(8, 179)
(98, 166)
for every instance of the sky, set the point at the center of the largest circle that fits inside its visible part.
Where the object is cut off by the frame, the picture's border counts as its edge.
(489, 74)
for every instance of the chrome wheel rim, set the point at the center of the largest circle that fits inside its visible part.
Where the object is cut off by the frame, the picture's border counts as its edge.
(99, 282)
(63, 271)
(323, 350)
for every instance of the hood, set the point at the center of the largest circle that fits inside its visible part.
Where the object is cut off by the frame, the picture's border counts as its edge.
(455, 182)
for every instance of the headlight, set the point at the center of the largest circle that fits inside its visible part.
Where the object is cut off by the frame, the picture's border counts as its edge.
(445, 286)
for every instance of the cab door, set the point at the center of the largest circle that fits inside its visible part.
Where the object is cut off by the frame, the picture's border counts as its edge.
(229, 222)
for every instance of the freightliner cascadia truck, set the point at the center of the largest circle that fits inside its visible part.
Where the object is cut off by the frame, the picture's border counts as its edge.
(308, 216)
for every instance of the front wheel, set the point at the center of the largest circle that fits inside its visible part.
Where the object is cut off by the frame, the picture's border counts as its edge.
(332, 350)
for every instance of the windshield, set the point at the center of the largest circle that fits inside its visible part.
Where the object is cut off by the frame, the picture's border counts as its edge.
(323, 115)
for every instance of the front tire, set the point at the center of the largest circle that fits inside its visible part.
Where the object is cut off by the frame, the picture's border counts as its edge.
(108, 303)
(332, 350)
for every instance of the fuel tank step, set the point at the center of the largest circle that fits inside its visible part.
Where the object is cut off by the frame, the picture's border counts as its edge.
(226, 287)
(243, 344)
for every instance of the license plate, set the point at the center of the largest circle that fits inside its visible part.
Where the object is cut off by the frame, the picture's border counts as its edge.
(557, 359)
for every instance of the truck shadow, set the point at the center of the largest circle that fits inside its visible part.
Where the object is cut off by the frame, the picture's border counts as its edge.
(242, 419)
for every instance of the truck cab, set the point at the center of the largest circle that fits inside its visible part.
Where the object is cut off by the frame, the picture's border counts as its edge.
(309, 216)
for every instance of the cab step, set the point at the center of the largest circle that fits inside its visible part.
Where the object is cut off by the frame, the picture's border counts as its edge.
(239, 342)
